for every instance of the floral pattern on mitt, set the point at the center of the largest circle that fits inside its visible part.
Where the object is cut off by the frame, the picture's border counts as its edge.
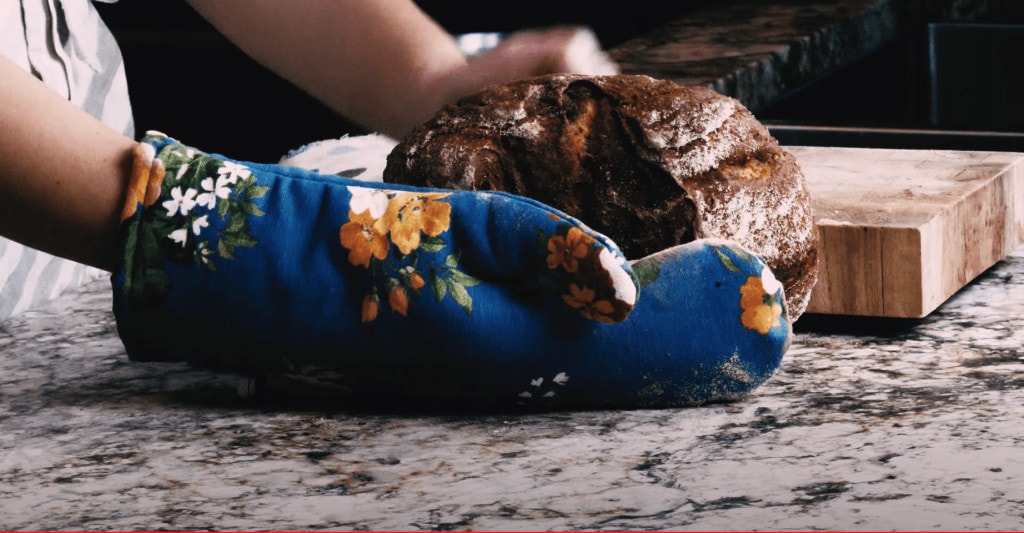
(281, 272)
(748, 309)
(397, 236)
(589, 267)
(203, 217)
(761, 297)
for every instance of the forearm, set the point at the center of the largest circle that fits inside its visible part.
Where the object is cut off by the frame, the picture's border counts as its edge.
(383, 64)
(62, 173)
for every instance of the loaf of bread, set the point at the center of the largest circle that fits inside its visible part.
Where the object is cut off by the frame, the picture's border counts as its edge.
(648, 162)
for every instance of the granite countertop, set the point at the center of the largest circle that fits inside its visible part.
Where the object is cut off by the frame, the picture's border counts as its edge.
(868, 425)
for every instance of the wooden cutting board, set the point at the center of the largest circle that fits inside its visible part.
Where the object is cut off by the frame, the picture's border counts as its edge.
(903, 230)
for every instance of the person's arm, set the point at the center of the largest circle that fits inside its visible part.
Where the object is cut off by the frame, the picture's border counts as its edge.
(384, 63)
(63, 174)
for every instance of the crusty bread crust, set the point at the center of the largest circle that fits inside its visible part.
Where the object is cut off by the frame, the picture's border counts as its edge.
(648, 162)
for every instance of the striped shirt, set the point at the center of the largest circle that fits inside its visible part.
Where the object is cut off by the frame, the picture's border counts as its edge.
(65, 44)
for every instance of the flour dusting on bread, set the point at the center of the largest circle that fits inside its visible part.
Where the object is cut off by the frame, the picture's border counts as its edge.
(648, 162)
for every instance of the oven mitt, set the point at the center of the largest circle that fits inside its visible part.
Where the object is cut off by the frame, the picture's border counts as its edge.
(394, 295)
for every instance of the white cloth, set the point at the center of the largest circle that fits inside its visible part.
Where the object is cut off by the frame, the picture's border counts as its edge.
(65, 44)
(361, 157)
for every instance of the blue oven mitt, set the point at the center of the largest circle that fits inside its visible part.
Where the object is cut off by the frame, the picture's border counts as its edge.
(403, 296)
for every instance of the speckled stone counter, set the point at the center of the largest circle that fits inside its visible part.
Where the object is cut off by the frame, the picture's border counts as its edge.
(868, 425)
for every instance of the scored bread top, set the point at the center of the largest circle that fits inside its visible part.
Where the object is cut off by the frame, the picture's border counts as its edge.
(647, 162)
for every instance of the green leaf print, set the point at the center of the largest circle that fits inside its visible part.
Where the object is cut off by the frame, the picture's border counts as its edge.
(461, 296)
(463, 279)
(439, 286)
(727, 261)
(647, 270)
(170, 229)
(432, 244)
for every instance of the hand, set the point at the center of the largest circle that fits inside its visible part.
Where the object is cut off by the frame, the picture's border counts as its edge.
(264, 260)
(425, 296)
(387, 65)
(536, 52)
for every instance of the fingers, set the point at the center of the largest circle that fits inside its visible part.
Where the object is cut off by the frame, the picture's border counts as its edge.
(518, 239)
(582, 54)
(537, 52)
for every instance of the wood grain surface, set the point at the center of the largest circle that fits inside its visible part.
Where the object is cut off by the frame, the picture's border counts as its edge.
(903, 230)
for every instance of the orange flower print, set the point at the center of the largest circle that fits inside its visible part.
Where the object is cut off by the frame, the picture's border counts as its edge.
(567, 251)
(582, 298)
(371, 303)
(408, 214)
(146, 180)
(362, 239)
(398, 300)
(137, 183)
(154, 183)
(761, 310)
(416, 281)
(412, 221)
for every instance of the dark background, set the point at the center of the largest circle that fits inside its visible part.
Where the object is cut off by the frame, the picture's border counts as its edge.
(189, 82)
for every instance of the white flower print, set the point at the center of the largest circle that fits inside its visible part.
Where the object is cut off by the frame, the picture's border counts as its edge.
(179, 236)
(214, 189)
(199, 223)
(769, 282)
(180, 201)
(181, 172)
(560, 379)
(204, 252)
(364, 198)
(625, 288)
(233, 171)
(199, 218)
